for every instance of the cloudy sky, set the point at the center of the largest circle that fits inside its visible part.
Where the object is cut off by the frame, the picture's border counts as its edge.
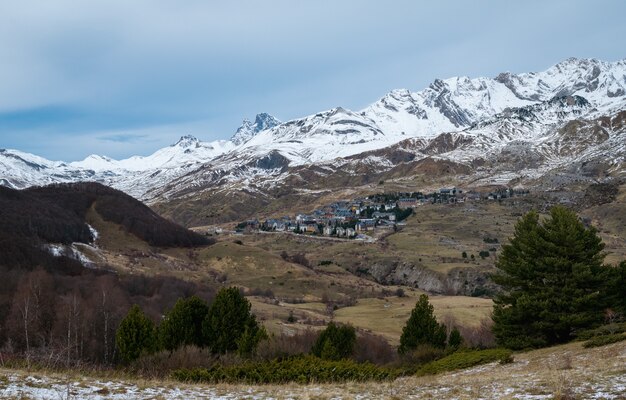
(119, 77)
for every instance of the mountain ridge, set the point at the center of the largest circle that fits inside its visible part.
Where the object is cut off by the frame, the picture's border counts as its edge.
(499, 121)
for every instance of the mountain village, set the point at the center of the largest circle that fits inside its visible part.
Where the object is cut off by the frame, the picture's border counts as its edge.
(375, 214)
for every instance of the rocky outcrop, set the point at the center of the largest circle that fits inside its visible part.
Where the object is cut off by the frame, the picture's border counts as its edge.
(465, 281)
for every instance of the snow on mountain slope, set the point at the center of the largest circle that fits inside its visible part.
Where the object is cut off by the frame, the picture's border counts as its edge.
(19, 170)
(136, 175)
(188, 150)
(449, 105)
(248, 129)
(516, 117)
(600, 82)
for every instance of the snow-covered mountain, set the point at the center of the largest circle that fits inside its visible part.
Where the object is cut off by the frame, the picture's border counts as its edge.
(135, 175)
(448, 105)
(187, 151)
(528, 122)
(249, 129)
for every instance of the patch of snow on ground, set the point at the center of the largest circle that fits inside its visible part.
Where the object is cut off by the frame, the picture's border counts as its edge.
(94, 232)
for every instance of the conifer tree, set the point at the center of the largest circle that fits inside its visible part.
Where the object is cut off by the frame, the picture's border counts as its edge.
(553, 281)
(230, 326)
(182, 325)
(422, 328)
(335, 342)
(135, 335)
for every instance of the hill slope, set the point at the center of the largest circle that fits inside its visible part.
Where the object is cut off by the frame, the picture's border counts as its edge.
(33, 221)
(563, 372)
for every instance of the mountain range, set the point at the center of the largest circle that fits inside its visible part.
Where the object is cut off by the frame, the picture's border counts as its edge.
(552, 128)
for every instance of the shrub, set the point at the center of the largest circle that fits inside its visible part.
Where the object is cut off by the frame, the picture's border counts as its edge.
(466, 359)
(300, 369)
(422, 354)
(374, 348)
(161, 364)
(609, 329)
(455, 340)
(278, 346)
(604, 340)
(480, 336)
(335, 342)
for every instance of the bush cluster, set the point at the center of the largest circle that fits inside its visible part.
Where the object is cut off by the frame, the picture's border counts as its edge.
(299, 369)
(604, 340)
(466, 359)
(609, 329)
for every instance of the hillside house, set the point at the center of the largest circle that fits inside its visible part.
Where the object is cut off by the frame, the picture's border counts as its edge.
(384, 215)
(407, 202)
(310, 226)
(450, 191)
(473, 196)
(384, 224)
(364, 225)
(215, 230)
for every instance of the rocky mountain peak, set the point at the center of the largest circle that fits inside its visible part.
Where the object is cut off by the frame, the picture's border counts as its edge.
(264, 121)
(187, 141)
(248, 130)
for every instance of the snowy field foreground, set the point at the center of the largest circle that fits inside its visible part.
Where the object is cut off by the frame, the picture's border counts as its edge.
(565, 372)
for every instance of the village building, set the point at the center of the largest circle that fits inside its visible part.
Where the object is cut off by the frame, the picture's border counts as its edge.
(384, 215)
(407, 202)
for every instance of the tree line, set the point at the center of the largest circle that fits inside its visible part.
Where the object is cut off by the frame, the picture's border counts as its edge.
(224, 326)
(70, 317)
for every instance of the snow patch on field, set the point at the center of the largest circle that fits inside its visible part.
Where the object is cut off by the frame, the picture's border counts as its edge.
(47, 388)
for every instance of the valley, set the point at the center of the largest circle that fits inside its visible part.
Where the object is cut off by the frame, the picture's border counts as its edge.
(388, 221)
(306, 277)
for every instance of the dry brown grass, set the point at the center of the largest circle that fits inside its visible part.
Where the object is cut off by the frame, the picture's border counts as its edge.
(594, 373)
(387, 316)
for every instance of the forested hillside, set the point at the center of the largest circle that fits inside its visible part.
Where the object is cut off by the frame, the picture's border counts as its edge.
(51, 305)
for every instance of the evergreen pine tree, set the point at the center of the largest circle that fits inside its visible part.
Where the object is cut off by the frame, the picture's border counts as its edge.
(230, 326)
(135, 335)
(335, 342)
(553, 281)
(422, 328)
(182, 325)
